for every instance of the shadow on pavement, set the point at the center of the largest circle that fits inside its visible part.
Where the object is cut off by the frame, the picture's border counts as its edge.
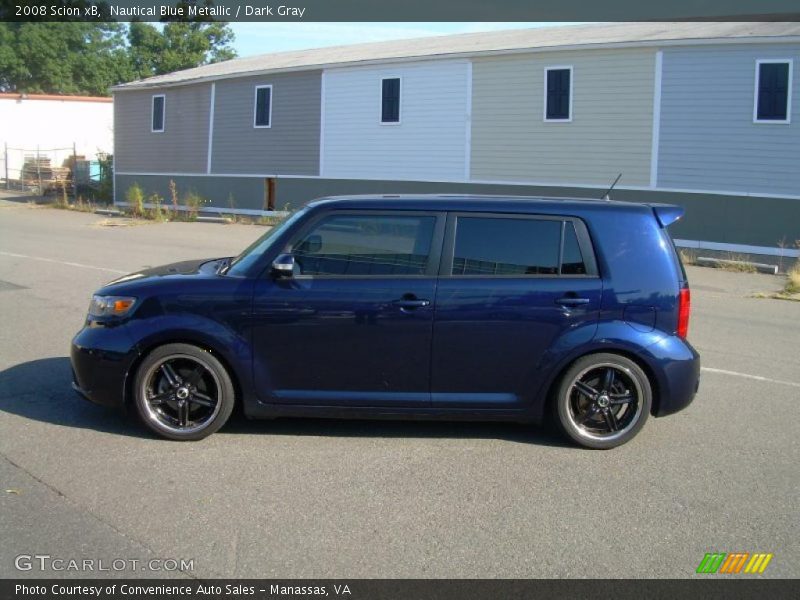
(379, 428)
(40, 390)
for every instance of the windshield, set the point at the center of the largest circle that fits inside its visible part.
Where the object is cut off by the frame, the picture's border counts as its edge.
(253, 252)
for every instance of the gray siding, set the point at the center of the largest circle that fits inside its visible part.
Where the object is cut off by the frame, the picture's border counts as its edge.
(180, 148)
(708, 138)
(219, 192)
(289, 147)
(610, 131)
(709, 217)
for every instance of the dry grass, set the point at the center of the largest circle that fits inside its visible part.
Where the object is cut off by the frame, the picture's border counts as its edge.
(793, 279)
(688, 257)
(742, 265)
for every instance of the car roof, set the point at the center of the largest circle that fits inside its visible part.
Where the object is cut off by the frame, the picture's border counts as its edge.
(473, 203)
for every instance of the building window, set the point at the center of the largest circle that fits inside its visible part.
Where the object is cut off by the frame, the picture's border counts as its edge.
(157, 115)
(390, 100)
(558, 94)
(262, 113)
(773, 93)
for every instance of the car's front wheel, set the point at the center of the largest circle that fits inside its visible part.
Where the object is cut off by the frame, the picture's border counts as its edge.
(183, 392)
(603, 400)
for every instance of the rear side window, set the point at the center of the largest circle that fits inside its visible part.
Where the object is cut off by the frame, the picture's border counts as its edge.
(572, 262)
(363, 245)
(676, 256)
(516, 247)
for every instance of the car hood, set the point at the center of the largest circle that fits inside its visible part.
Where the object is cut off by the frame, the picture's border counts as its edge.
(203, 267)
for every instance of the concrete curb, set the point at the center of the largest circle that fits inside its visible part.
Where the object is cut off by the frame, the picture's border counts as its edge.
(201, 219)
(719, 262)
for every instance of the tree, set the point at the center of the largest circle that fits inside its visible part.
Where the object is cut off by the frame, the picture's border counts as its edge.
(62, 58)
(179, 45)
(89, 58)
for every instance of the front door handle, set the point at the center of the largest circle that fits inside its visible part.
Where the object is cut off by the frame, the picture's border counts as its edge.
(411, 303)
(572, 301)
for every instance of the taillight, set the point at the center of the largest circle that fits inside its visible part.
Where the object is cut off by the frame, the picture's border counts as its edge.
(684, 308)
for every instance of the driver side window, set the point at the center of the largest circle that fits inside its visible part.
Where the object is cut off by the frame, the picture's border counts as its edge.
(364, 245)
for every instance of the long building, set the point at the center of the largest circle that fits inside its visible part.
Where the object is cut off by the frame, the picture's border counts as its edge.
(698, 114)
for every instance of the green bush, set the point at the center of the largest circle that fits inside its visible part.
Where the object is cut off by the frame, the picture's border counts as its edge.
(135, 198)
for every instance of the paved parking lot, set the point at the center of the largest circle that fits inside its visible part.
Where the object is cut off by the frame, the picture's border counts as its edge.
(305, 498)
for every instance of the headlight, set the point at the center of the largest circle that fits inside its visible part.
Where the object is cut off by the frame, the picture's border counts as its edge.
(107, 306)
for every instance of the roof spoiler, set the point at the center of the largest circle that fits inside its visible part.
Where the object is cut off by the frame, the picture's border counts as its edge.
(667, 214)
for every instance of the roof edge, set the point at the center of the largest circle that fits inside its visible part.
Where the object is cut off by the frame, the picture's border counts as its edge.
(24, 96)
(143, 85)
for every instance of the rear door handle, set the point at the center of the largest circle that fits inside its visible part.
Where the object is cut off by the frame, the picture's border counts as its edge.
(572, 301)
(411, 303)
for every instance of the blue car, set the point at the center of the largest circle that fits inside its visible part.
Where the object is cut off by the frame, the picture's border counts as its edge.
(444, 307)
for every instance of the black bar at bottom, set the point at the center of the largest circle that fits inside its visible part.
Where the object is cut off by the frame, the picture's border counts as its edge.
(706, 587)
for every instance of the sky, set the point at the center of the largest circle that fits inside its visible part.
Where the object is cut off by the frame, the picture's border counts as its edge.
(260, 38)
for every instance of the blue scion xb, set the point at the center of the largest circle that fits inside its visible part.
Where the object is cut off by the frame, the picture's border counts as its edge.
(446, 307)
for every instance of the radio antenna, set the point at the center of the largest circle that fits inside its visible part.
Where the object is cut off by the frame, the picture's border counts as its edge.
(606, 195)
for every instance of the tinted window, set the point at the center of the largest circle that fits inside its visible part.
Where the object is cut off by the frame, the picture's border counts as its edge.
(263, 106)
(366, 245)
(158, 113)
(558, 90)
(773, 91)
(390, 100)
(572, 259)
(486, 246)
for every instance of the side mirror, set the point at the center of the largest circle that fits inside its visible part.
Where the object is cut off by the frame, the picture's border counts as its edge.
(283, 266)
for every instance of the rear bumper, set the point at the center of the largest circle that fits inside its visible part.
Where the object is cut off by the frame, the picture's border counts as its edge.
(677, 365)
(101, 359)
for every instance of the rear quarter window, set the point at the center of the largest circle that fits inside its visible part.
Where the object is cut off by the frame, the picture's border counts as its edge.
(676, 256)
(519, 246)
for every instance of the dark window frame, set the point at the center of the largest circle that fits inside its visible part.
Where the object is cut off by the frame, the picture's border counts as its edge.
(434, 257)
(399, 100)
(757, 112)
(163, 98)
(255, 106)
(581, 231)
(558, 119)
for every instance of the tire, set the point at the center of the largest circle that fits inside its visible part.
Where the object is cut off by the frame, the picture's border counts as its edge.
(599, 411)
(183, 392)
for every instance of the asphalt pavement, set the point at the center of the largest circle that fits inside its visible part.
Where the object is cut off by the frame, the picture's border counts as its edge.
(320, 498)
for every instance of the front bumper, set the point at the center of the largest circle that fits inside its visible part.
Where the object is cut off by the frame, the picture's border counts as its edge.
(101, 360)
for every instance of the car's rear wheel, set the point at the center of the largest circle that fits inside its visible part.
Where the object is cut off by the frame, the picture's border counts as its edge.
(183, 392)
(603, 400)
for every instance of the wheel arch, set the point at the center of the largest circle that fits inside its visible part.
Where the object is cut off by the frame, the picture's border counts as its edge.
(146, 347)
(560, 371)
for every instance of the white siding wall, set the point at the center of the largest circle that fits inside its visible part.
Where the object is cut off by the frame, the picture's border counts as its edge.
(26, 123)
(428, 144)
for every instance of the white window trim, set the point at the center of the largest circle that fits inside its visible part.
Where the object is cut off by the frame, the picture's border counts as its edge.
(767, 61)
(255, 105)
(571, 85)
(153, 112)
(400, 102)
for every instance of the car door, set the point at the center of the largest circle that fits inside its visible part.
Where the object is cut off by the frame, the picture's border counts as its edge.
(353, 324)
(514, 291)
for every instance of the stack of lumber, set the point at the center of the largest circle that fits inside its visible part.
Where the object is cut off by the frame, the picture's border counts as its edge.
(35, 170)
